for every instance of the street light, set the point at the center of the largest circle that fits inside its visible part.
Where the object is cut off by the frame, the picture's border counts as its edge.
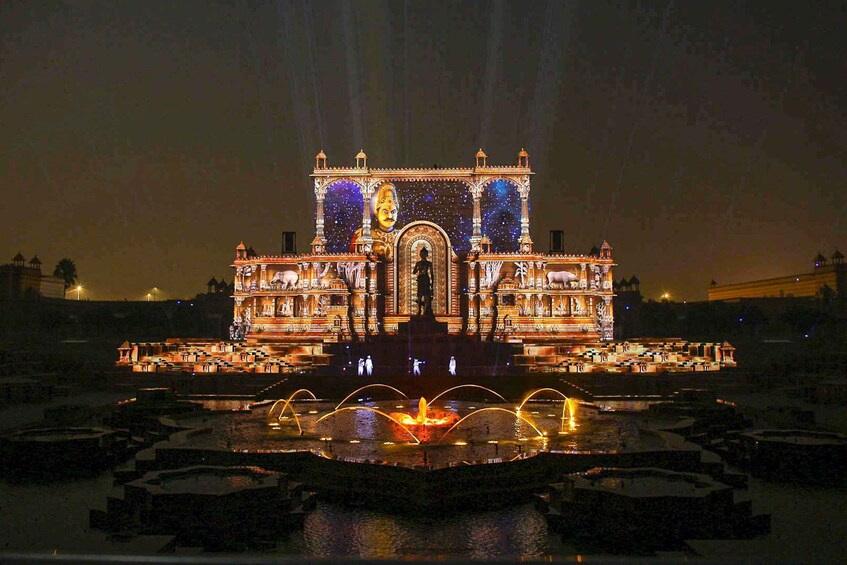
(148, 297)
(78, 289)
(154, 292)
(666, 296)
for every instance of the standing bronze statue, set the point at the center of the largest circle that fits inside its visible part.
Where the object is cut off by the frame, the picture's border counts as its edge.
(423, 269)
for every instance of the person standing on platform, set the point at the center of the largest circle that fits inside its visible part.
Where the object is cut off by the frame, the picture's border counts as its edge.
(369, 365)
(361, 366)
(416, 367)
(451, 366)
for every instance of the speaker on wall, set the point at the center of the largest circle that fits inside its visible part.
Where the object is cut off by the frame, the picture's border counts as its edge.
(289, 242)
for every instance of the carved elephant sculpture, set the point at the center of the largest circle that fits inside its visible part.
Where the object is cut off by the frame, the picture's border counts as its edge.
(287, 279)
(563, 277)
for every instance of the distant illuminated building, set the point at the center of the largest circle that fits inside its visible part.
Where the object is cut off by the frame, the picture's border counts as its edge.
(22, 279)
(831, 273)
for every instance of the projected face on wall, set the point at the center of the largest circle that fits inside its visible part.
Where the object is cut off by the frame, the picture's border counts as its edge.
(386, 207)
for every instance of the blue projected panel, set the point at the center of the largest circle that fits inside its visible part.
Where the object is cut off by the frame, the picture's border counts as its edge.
(446, 203)
(501, 215)
(342, 215)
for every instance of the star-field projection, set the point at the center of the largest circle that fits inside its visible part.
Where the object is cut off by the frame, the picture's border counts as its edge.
(342, 215)
(446, 203)
(501, 215)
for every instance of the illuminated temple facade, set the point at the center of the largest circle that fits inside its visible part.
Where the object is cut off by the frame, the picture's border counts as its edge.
(359, 279)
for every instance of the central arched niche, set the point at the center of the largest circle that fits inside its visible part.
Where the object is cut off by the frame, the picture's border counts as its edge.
(407, 246)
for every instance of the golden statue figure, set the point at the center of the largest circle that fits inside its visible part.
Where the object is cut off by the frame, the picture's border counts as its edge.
(385, 209)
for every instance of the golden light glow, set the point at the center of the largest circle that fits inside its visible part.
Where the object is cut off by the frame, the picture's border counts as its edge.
(439, 417)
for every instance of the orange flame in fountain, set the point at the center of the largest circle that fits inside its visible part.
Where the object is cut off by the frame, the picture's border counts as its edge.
(426, 416)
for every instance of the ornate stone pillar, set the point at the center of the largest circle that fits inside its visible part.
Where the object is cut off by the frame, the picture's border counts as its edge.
(476, 193)
(367, 191)
(320, 195)
(263, 279)
(302, 282)
(526, 240)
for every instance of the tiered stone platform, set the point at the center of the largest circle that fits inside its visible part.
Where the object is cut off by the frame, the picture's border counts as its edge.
(640, 356)
(428, 340)
(207, 356)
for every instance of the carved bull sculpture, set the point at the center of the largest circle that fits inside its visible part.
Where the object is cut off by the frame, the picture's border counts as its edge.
(287, 279)
(563, 277)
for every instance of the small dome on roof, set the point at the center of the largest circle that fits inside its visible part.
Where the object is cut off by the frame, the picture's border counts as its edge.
(594, 251)
(480, 153)
(321, 155)
(361, 154)
(819, 258)
(523, 153)
(837, 255)
(212, 282)
(485, 240)
(251, 252)
(634, 280)
(35, 261)
(19, 258)
(605, 245)
(241, 246)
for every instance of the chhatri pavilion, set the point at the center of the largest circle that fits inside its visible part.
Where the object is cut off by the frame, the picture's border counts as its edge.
(423, 252)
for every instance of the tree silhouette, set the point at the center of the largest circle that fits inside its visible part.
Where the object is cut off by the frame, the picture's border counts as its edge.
(66, 270)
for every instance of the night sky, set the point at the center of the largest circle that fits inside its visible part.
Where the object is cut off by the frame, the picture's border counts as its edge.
(144, 140)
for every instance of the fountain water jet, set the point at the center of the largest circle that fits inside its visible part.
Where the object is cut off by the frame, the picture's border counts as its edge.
(287, 403)
(493, 408)
(368, 408)
(567, 407)
(443, 392)
(346, 398)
